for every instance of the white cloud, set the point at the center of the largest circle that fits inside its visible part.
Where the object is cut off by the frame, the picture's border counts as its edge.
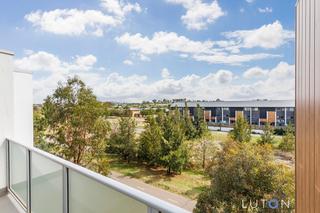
(198, 13)
(250, 1)
(50, 69)
(165, 42)
(265, 10)
(119, 7)
(142, 57)
(165, 73)
(224, 58)
(278, 82)
(282, 71)
(255, 72)
(128, 62)
(267, 36)
(223, 84)
(75, 22)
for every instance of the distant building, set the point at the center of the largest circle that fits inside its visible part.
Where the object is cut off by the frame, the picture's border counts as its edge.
(257, 112)
(135, 112)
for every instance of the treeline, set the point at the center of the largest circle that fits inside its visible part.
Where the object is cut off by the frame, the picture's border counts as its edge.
(73, 124)
(162, 143)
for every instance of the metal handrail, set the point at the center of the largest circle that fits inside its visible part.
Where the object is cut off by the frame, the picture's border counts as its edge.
(154, 204)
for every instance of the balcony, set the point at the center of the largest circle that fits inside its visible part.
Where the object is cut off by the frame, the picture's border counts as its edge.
(40, 182)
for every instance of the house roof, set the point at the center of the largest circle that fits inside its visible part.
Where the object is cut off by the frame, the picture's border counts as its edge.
(254, 103)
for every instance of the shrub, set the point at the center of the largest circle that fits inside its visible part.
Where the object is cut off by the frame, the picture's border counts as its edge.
(245, 171)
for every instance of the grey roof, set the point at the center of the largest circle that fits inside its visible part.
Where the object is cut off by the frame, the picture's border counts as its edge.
(255, 103)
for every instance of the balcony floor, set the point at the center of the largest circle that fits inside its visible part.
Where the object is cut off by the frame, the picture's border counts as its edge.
(8, 205)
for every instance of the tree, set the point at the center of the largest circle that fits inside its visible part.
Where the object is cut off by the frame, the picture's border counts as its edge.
(39, 128)
(199, 123)
(75, 123)
(288, 140)
(173, 154)
(190, 130)
(202, 151)
(241, 131)
(267, 135)
(176, 160)
(150, 142)
(123, 139)
(245, 171)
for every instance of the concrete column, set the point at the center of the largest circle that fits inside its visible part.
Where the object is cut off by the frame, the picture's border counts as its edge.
(222, 115)
(16, 106)
(285, 116)
(6, 109)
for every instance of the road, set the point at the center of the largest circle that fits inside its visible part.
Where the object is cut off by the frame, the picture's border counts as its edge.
(170, 197)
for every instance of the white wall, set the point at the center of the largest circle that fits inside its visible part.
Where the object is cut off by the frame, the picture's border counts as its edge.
(23, 107)
(16, 106)
(6, 108)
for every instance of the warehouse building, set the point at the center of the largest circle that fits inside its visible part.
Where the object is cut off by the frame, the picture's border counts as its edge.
(257, 112)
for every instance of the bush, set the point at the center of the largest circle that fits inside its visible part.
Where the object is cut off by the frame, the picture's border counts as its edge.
(245, 172)
(241, 131)
(288, 140)
(267, 136)
(279, 131)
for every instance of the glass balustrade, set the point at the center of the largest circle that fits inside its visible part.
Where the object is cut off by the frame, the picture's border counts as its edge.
(45, 183)
(18, 172)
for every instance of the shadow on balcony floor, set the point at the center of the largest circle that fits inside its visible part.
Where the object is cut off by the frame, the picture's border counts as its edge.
(7, 205)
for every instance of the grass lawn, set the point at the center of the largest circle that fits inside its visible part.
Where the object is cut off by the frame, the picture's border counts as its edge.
(223, 136)
(189, 184)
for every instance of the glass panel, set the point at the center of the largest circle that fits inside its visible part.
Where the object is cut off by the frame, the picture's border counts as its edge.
(46, 185)
(18, 171)
(89, 196)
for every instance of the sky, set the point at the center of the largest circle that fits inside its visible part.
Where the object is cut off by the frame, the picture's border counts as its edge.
(139, 50)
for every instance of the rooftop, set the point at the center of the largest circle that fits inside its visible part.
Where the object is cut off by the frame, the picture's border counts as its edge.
(252, 103)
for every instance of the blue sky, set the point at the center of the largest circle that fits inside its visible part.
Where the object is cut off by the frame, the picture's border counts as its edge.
(134, 50)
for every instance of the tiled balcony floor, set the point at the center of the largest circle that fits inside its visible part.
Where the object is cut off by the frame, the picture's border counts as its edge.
(7, 205)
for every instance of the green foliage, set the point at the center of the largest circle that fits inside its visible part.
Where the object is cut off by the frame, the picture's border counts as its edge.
(288, 140)
(150, 142)
(173, 132)
(279, 131)
(190, 130)
(267, 135)
(175, 160)
(173, 155)
(162, 142)
(147, 112)
(75, 123)
(245, 172)
(39, 127)
(199, 123)
(241, 131)
(123, 140)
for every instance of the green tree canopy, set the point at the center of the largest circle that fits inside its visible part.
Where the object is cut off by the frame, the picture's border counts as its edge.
(288, 140)
(245, 172)
(190, 130)
(76, 126)
(241, 131)
(199, 122)
(150, 142)
(123, 139)
(267, 135)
